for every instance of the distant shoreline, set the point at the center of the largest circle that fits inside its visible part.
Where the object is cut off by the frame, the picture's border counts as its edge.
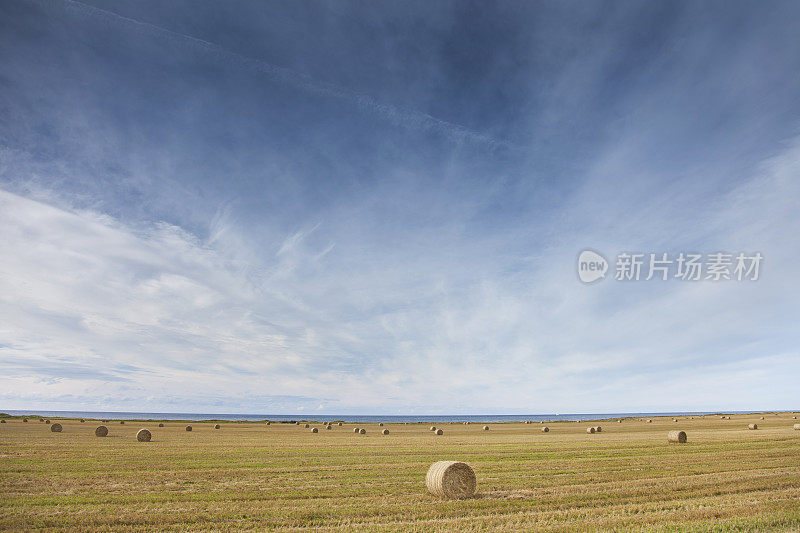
(217, 417)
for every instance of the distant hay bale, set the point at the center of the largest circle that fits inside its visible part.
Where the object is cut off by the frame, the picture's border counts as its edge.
(793, 418)
(649, 420)
(380, 424)
(362, 431)
(355, 430)
(339, 424)
(122, 422)
(46, 421)
(143, 435)
(722, 417)
(385, 432)
(619, 421)
(101, 431)
(314, 430)
(56, 428)
(438, 432)
(752, 426)
(590, 430)
(466, 423)
(82, 420)
(598, 429)
(216, 426)
(188, 428)
(328, 427)
(26, 420)
(433, 428)
(545, 429)
(451, 480)
(674, 419)
(676, 436)
(486, 428)
(307, 426)
(268, 422)
(527, 421)
(161, 424)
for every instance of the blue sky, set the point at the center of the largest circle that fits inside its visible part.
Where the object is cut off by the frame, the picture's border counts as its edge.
(348, 207)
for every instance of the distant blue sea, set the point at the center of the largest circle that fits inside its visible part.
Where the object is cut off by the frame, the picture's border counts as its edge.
(364, 419)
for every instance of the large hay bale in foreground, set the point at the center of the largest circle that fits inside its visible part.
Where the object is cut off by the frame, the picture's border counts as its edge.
(101, 431)
(56, 428)
(545, 429)
(438, 432)
(752, 426)
(362, 431)
(676, 436)
(2, 421)
(143, 435)
(314, 430)
(451, 480)
(486, 428)
(216, 426)
(385, 432)
(188, 428)
(590, 430)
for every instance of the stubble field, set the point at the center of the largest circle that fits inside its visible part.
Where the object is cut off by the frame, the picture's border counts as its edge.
(250, 476)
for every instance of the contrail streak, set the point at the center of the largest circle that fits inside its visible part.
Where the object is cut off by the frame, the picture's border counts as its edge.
(407, 118)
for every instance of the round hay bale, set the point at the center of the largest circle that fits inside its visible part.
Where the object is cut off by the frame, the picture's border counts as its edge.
(762, 418)
(26, 420)
(486, 428)
(56, 428)
(438, 432)
(216, 426)
(122, 422)
(451, 480)
(676, 436)
(381, 424)
(433, 428)
(3, 421)
(722, 417)
(619, 421)
(797, 426)
(362, 431)
(752, 426)
(598, 429)
(161, 425)
(188, 428)
(268, 422)
(46, 421)
(466, 423)
(674, 419)
(328, 427)
(650, 421)
(793, 418)
(339, 424)
(82, 420)
(590, 430)
(143, 435)
(101, 431)
(355, 430)
(314, 430)
(545, 429)
(385, 432)
(308, 426)
(527, 421)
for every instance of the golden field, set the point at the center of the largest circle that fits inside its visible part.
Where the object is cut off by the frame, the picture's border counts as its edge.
(250, 476)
